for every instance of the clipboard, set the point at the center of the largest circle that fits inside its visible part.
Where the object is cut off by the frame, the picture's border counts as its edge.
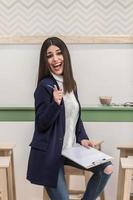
(86, 157)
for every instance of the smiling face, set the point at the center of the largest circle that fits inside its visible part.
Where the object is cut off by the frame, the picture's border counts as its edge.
(55, 60)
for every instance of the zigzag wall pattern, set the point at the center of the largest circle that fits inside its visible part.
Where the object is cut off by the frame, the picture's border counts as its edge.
(71, 17)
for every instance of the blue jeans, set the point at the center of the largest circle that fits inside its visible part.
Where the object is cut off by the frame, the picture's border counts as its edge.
(94, 187)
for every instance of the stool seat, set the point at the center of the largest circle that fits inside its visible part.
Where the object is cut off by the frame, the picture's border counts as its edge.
(127, 167)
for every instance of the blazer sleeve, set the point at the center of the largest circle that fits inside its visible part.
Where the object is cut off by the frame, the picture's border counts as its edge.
(46, 109)
(81, 133)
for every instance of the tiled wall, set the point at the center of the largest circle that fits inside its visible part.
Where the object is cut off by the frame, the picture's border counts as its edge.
(57, 17)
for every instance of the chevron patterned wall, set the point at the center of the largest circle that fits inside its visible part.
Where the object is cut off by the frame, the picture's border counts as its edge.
(65, 17)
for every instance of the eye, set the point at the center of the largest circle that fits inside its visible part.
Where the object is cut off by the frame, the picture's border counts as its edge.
(59, 53)
(49, 55)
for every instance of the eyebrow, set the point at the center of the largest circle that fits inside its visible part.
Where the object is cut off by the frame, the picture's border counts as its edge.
(49, 52)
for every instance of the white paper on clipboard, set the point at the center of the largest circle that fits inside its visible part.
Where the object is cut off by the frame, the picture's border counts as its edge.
(86, 157)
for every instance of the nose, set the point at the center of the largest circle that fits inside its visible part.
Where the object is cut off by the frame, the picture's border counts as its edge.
(55, 57)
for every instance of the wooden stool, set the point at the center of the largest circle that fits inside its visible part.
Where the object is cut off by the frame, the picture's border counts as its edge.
(72, 171)
(4, 177)
(125, 151)
(127, 168)
(77, 194)
(7, 150)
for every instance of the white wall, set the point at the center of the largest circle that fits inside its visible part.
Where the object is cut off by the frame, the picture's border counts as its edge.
(103, 70)
(98, 69)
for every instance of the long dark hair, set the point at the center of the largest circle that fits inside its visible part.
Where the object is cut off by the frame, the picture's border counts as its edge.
(68, 80)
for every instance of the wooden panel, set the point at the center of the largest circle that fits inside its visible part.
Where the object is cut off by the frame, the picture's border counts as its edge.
(121, 39)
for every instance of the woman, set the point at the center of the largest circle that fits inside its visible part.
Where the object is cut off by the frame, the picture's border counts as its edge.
(58, 125)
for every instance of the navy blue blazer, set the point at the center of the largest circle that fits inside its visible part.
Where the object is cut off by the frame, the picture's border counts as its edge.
(46, 146)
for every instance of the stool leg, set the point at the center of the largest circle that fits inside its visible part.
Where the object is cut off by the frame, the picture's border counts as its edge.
(13, 176)
(10, 188)
(102, 196)
(121, 176)
(127, 184)
(87, 175)
(3, 184)
(45, 195)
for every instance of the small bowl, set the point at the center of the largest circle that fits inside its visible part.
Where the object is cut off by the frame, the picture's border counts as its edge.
(105, 100)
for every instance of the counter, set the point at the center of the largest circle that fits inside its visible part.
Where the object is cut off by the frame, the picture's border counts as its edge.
(96, 113)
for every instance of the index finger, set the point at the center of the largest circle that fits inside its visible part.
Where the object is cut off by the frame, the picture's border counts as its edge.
(55, 87)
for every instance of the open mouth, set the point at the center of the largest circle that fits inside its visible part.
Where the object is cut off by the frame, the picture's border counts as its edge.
(57, 66)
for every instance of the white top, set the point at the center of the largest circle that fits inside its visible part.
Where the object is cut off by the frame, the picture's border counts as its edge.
(71, 115)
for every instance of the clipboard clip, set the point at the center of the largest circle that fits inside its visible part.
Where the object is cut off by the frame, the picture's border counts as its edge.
(98, 162)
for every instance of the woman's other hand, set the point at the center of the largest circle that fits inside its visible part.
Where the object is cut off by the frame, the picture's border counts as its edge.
(58, 95)
(87, 143)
